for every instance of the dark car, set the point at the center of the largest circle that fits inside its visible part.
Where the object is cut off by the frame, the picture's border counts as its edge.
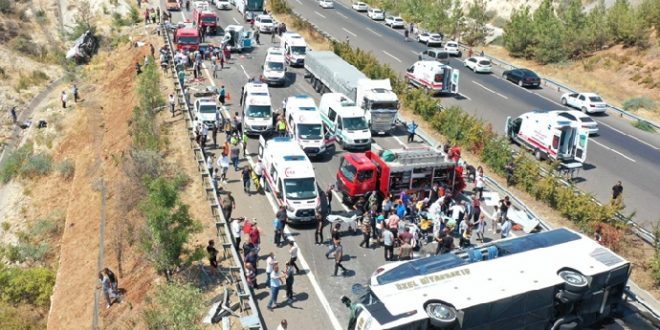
(522, 77)
(434, 54)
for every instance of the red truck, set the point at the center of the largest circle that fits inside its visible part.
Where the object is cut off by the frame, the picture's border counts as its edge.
(206, 19)
(391, 171)
(186, 38)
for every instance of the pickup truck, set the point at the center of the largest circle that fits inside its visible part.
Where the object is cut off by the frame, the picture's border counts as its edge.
(586, 102)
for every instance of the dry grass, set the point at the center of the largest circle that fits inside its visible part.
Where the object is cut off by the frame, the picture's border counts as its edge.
(314, 40)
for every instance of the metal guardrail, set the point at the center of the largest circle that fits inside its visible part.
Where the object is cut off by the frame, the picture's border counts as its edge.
(243, 291)
(565, 88)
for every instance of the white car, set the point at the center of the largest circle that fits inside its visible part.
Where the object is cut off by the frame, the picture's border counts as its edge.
(360, 6)
(587, 102)
(222, 4)
(430, 39)
(395, 22)
(327, 4)
(264, 23)
(452, 48)
(478, 64)
(584, 120)
(376, 14)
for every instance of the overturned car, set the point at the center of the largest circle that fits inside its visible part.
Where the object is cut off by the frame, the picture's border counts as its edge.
(83, 49)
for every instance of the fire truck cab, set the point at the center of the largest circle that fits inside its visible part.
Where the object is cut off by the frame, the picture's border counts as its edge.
(186, 38)
(392, 171)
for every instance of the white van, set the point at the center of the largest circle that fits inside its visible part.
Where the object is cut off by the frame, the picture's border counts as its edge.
(345, 121)
(257, 109)
(294, 47)
(549, 135)
(304, 124)
(290, 176)
(274, 69)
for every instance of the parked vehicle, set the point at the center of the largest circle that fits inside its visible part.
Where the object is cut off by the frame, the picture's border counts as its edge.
(582, 119)
(257, 109)
(430, 39)
(586, 102)
(549, 136)
(222, 4)
(376, 14)
(250, 8)
(522, 77)
(206, 18)
(83, 48)
(274, 69)
(453, 49)
(295, 48)
(330, 73)
(395, 22)
(173, 5)
(238, 38)
(435, 77)
(327, 4)
(264, 23)
(305, 126)
(393, 171)
(434, 54)
(360, 6)
(205, 111)
(345, 121)
(290, 177)
(478, 64)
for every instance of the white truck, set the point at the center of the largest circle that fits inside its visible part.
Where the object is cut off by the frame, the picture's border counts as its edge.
(549, 136)
(295, 48)
(290, 176)
(434, 77)
(237, 38)
(345, 121)
(329, 73)
(304, 124)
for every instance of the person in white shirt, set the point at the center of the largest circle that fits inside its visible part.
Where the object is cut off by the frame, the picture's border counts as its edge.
(209, 163)
(479, 182)
(387, 206)
(237, 231)
(283, 324)
(293, 256)
(63, 98)
(223, 167)
(172, 104)
(270, 261)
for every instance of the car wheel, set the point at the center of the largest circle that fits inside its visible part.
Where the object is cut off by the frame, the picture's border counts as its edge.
(520, 83)
(505, 77)
(574, 281)
(563, 101)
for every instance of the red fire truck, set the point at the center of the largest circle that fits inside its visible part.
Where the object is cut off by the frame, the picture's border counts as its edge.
(206, 19)
(391, 171)
(186, 38)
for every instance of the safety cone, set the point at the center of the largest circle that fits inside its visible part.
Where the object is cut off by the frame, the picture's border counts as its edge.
(228, 97)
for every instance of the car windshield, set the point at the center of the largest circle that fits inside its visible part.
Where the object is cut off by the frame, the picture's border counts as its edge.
(484, 62)
(303, 188)
(298, 50)
(355, 124)
(188, 40)
(310, 131)
(452, 45)
(207, 108)
(275, 66)
(384, 105)
(595, 99)
(377, 11)
(258, 111)
(266, 21)
(586, 120)
(398, 19)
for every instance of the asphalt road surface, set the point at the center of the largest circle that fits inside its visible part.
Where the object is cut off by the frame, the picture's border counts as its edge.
(619, 152)
(317, 292)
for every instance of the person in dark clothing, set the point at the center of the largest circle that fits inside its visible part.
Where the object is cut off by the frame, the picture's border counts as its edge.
(617, 190)
(318, 235)
(339, 254)
(445, 242)
(328, 196)
(280, 222)
(336, 237)
(14, 118)
(245, 174)
(366, 235)
(213, 255)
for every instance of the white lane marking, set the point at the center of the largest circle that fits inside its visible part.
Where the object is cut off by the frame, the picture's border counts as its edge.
(317, 13)
(392, 56)
(340, 201)
(399, 140)
(484, 87)
(235, 20)
(342, 15)
(630, 136)
(303, 262)
(465, 96)
(503, 96)
(245, 72)
(414, 52)
(614, 151)
(298, 1)
(374, 32)
(349, 32)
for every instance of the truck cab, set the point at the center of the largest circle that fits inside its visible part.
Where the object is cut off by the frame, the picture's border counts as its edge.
(434, 77)
(257, 109)
(294, 47)
(345, 121)
(392, 171)
(290, 176)
(549, 136)
(206, 18)
(305, 125)
(186, 39)
(379, 102)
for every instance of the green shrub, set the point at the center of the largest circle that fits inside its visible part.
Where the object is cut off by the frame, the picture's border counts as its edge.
(3, 73)
(174, 306)
(644, 126)
(26, 252)
(119, 21)
(30, 285)
(6, 6)
(637, 103)
(37, 165)
(66, 169)
(134, 16)
(14, 162)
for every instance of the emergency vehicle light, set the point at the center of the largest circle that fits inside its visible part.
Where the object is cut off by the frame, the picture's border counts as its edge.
(294, 158)
(282, 139)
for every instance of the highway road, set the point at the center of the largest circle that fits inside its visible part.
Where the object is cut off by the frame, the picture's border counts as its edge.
(619, 152)
(317, 293)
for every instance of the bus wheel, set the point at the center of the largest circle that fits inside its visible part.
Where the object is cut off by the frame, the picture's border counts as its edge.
(442, 315)
(574, 281)
(538, 155)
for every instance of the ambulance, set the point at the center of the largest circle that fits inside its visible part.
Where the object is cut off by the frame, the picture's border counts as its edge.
(434, 77)
(274, 68)
(294, 47)
(304, 124)
(290, 177)
(343, 119)
(549, 136)
(257, 109)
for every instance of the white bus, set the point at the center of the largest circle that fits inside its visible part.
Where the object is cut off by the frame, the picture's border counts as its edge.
(557, 279)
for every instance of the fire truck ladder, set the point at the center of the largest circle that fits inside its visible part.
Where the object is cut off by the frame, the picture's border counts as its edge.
(422, 156)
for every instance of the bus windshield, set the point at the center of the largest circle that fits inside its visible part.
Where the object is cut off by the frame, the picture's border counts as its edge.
(355, 124)
(310, 131)
(303, 188)
(258, 111)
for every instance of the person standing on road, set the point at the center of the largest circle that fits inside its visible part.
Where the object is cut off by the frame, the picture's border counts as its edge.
(221, 95)
(12, 112)
(237, 231)
(270, 261)
(280, 221)
(276, 280)
(182, 78)
(412, 128)
(251, 275)
(366, 232)
(223, 167)
(256, 36)
(205, 134)
(506, 228)
(480, 225)
(228, 205)
(172, 104)
(234, 153)
(339, 254)
(293, 256)
(445, 242)
(63, 98)
(504, 206)
(289, 281)
(245, 174)
(617, 194)
(388, 243)
(74, 91)
(328, 196)
(405, 34)
(213, 256)
(318, 235)
(479, 182)
(259, 171)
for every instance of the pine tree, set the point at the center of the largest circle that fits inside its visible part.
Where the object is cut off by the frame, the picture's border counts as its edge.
(476, 30)
(518, 34)
(548, 35)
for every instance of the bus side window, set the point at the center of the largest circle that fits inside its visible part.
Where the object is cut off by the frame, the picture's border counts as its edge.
(332, 114)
